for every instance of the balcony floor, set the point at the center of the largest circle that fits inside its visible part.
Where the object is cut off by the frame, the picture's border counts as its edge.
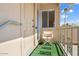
(47, 50)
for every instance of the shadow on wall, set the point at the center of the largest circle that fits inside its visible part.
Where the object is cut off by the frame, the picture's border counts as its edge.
(11, 30)
(8, 22)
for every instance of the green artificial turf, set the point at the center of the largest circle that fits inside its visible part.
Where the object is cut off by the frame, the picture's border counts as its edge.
(60, 52)
(47, 50)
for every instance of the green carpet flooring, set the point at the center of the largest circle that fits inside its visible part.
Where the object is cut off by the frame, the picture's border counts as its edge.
(47, 49)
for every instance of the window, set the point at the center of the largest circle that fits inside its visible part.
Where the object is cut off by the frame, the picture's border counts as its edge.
(48, 19)
(44, 19)
(51, 18)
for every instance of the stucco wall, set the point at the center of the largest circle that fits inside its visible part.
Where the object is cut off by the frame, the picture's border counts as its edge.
(27, 29)
(10, 34)
(17, 39)
(9, 12)
(55, 7)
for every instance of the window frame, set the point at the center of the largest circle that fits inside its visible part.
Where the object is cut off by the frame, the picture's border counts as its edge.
(48, 10)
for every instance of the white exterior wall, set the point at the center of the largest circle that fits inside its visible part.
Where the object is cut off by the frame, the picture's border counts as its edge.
(13, 39)
(10, 34)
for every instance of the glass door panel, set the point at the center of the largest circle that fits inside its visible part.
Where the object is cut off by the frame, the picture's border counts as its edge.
(51, 18)
(44, 19)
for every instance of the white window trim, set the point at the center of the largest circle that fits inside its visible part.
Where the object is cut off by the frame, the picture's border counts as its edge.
(47, 16)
